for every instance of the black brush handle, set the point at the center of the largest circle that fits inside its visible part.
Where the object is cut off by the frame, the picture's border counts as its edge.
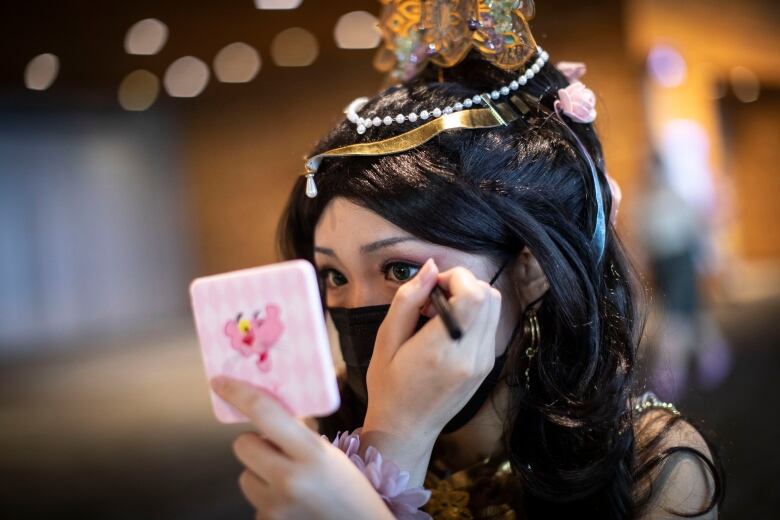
(445, 311)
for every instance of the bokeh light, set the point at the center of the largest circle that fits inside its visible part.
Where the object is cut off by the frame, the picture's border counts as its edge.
(294, 47)
(357, 30)
(745, 84)
(186, 77)
(41, 71)
(666, 66)
(277, 4)
(718, 90)
(237, 63)
(146, 37)
(138, 90)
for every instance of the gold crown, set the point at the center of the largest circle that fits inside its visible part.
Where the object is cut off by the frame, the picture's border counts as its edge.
(416, 32)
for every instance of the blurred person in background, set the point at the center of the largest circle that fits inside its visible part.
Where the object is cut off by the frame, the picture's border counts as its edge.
(676, 236)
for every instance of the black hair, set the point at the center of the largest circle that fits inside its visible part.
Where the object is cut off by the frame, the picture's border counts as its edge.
(570, 438)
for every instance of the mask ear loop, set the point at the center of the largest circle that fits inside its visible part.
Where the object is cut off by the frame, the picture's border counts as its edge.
(500, 269)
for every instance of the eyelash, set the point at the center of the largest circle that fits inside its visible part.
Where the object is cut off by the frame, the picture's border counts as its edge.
(384, 269)
(390, 263)
(324, 277)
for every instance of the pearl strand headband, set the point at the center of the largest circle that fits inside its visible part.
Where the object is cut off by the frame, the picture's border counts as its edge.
(491, 116)
(362, 123)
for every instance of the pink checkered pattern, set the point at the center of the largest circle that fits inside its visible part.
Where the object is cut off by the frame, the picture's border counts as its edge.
(302, 374)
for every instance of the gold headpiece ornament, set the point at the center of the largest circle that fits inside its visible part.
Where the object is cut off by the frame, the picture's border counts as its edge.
(443, 32)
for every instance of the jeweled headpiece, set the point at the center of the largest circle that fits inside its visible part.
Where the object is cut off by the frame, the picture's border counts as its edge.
(442, 32)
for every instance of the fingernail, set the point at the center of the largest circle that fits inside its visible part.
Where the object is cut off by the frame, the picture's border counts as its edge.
(426, 271)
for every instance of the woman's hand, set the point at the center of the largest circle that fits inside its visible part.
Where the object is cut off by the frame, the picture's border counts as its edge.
(291, 472)
(418, 382)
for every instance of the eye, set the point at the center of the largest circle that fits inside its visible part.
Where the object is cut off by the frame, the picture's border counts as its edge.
(400, 271)
(332, 278)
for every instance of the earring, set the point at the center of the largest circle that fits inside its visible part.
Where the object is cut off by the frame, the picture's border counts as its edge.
(531, 330)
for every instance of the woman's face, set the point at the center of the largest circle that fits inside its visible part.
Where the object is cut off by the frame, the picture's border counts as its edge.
(363, 259)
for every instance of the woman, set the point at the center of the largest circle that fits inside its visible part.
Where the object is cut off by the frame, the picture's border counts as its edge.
(533, 412)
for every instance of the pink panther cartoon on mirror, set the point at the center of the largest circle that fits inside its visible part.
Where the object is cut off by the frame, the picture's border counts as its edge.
(256, 335)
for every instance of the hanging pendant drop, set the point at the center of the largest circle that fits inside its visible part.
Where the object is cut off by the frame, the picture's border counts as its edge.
(311, 187)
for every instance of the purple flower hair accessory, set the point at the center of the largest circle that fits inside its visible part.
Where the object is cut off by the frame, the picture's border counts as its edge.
(573, 70)
(578, 102)
(386, 477)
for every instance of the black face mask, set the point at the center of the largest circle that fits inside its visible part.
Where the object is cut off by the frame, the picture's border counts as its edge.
(357, 328)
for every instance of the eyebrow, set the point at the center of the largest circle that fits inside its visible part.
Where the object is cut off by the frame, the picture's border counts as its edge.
(371, 246)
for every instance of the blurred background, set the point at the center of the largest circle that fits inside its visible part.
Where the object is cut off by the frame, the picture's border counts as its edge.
(145, 143)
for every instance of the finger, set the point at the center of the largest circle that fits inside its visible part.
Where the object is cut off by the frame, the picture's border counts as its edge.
(257, 492)
(429, 309)
(269, 415)
(468, 310)
(467, 295)
(401, 319)
(434, 335)
(494, 300)
(477, 344)
(260, 456)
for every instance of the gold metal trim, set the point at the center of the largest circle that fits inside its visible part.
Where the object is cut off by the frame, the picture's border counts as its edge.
(495, 115)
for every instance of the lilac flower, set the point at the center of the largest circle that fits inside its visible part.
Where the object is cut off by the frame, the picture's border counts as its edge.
(347, 442)
(386, 477)
(578, 102)
(573, 70)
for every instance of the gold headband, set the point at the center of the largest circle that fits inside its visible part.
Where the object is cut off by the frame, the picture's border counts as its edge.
(494, 115)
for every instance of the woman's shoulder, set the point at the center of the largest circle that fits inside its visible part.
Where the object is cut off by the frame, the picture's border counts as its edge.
(661, 423)
(675, 460)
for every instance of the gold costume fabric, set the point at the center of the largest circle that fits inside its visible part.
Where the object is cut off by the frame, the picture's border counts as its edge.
(487, 490)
